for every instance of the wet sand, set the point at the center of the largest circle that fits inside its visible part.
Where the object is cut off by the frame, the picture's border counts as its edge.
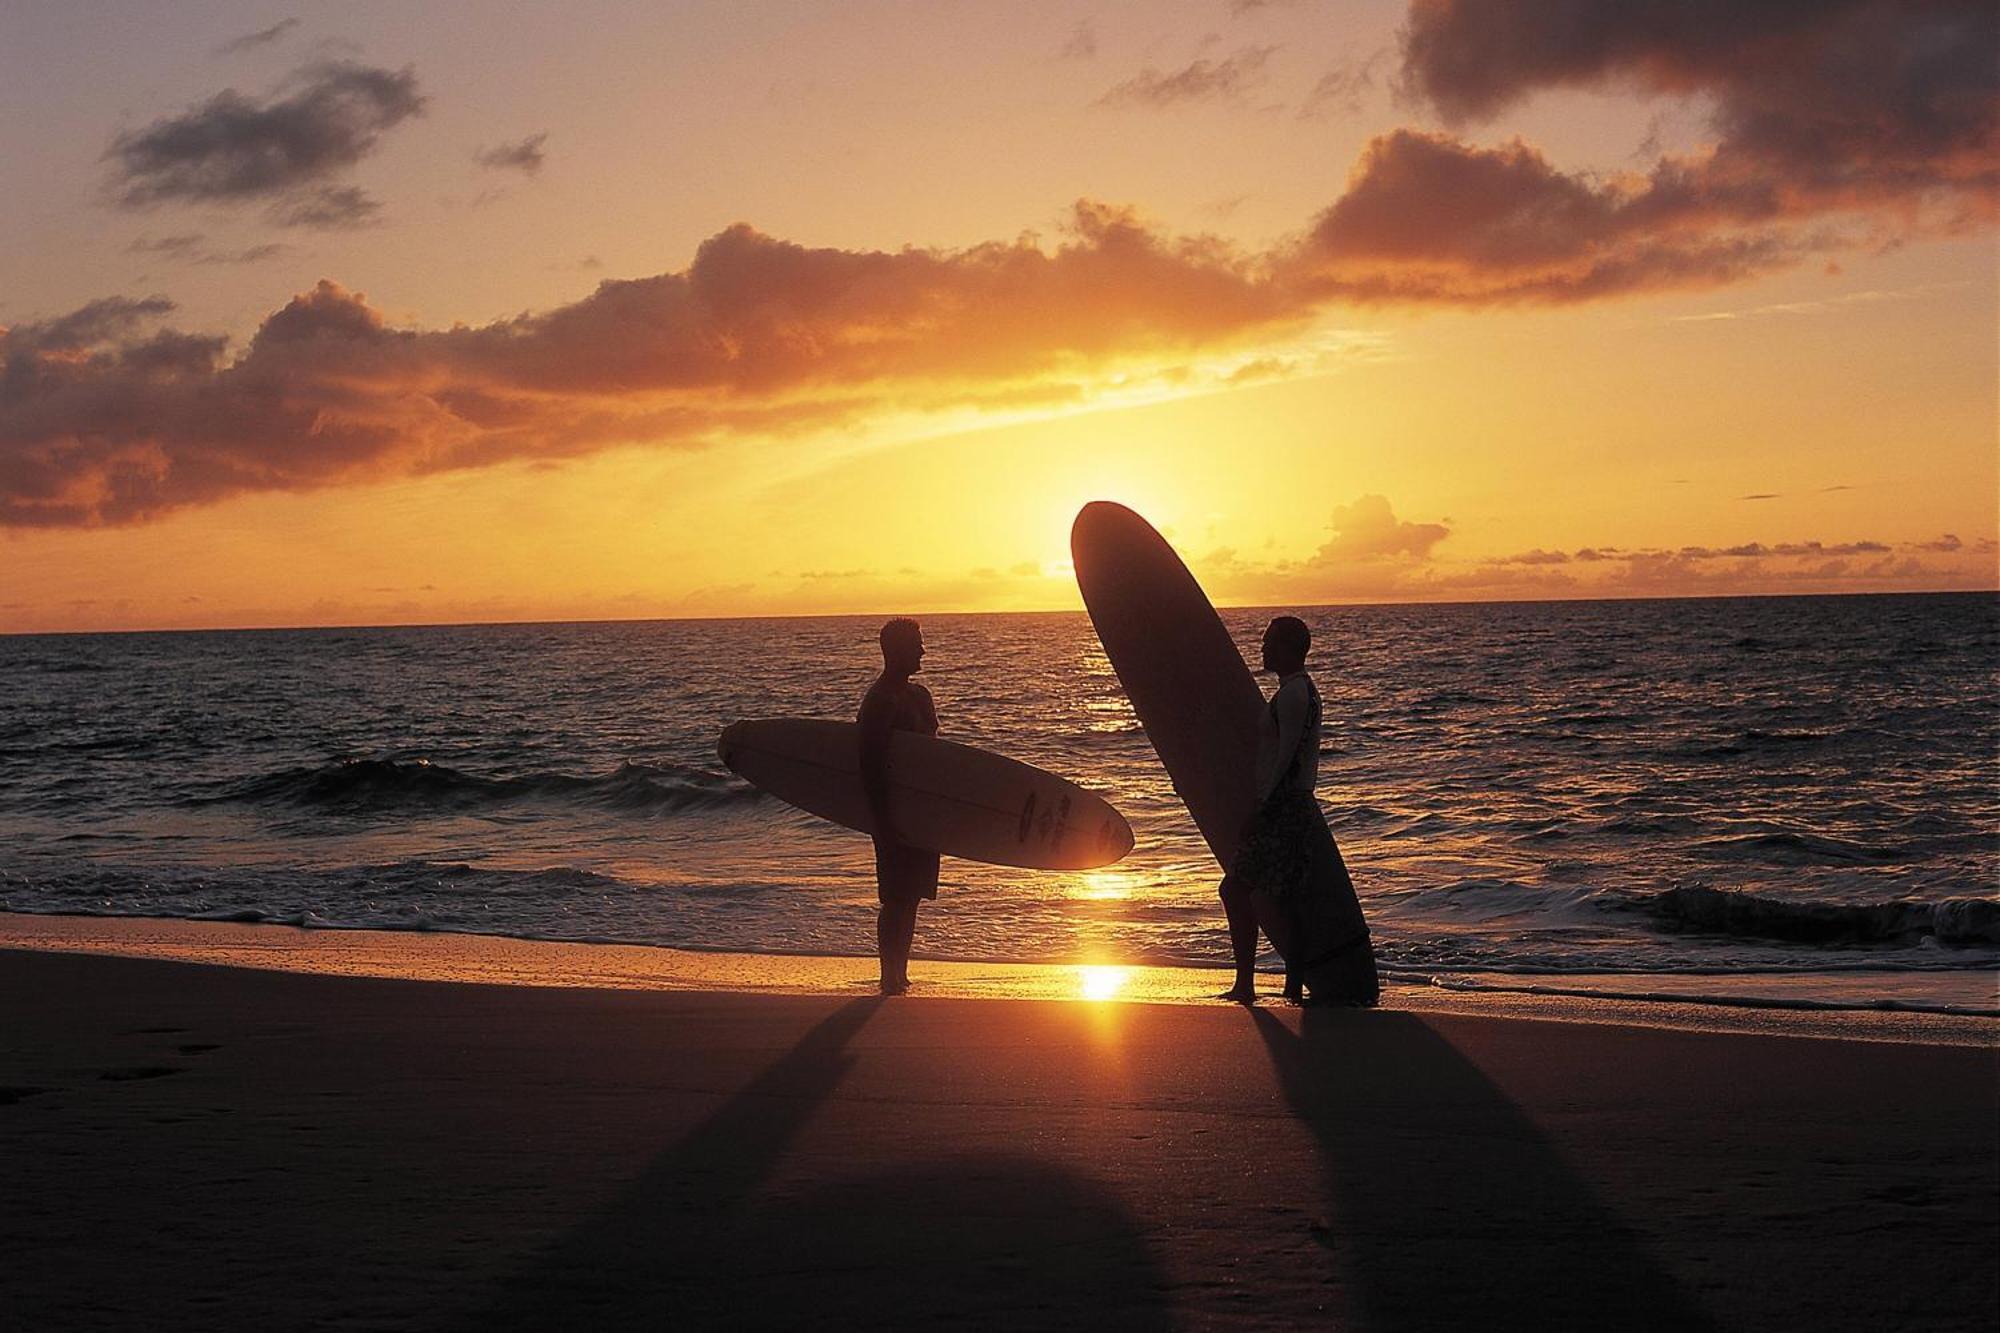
(438, 956)
(193, 1146)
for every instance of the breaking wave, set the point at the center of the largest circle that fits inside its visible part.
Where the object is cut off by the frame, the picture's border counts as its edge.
(387, 786)
(1953, 922)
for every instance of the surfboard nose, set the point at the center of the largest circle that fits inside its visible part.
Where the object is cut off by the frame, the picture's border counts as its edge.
(725, 744)
(1095, 515)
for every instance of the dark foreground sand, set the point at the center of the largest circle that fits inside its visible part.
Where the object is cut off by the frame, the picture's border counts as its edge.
(187, 1146)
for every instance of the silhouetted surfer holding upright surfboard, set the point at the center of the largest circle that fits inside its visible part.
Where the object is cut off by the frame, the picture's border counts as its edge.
(904, 875)
(1275, 879)
(1207, 720)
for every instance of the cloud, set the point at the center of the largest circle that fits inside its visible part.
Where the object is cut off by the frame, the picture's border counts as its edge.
(283, 151)
(764, 336)
(1828, 102)
(1413, 571)
(1342, 90)
(328, 208)
(1885, 107)
(1762, 495)
(525, 156)
(1823, 306)
(1426, 218)
(1369, 530)
(1837, 125)
(249, 254)
(1082, 43)
(186, 245)
(262, 37)
(192, 248)
(108, 319)
(100, 423)
(1702, 554)
(1203, 80)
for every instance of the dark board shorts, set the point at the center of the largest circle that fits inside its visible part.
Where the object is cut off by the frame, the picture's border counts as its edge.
(903, 873)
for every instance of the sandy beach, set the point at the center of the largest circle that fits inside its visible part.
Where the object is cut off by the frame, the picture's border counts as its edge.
(202, 1146)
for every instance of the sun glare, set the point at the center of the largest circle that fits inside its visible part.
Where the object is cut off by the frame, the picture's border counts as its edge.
(1100, 982)
(1105, 886)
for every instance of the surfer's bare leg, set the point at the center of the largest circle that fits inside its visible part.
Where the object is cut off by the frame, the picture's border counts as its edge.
(1242, 942)
(895, 930)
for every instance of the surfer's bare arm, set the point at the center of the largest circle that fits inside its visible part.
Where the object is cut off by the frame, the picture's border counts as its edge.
(1290, 706)
(878, 717)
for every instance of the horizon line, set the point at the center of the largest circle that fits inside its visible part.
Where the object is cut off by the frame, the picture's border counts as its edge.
(1016, 611)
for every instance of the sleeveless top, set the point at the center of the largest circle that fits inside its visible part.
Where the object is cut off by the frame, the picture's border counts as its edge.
(1301, 768)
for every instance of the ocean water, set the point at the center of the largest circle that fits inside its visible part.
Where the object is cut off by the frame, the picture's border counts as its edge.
(1752, 798)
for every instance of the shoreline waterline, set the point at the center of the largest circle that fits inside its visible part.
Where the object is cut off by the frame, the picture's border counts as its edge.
(509, 961)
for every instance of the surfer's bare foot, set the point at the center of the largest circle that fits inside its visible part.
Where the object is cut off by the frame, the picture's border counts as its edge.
(1240, 994)
(1322, 1001)
(895, 985)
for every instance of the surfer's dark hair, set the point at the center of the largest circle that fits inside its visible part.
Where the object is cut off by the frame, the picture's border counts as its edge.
(902, 627)
(1291, 632)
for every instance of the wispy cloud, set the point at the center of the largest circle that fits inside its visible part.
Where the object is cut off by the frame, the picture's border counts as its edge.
(250, 41)
(327, 208)
(193, 248)
(185, 245)
(524, 155)
(1423, 573)
(1202, 80)
(1344, 89)
(1824, 305)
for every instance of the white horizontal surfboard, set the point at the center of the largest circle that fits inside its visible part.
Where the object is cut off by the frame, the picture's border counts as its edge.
(952, 798)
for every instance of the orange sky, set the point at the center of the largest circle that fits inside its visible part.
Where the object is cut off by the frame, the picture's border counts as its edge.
(812, 309)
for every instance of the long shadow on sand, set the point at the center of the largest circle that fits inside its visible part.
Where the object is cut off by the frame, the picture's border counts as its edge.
(1450, 1210)
(700, 1241)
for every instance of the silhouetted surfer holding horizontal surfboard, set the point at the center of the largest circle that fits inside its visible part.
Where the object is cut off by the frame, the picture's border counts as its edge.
(904, 875)
(889, 776)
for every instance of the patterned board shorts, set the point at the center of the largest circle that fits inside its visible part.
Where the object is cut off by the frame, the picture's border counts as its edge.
(1276, 857)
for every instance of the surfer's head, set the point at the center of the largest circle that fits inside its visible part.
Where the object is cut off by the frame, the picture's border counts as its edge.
(1286, 644)
(902, 647)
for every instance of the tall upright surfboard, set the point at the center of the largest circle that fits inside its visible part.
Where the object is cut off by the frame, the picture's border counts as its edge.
(952, 798)
(1202, 710)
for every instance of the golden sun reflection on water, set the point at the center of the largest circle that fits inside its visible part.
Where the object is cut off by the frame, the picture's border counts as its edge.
(1098, 981)
(1106, 885)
